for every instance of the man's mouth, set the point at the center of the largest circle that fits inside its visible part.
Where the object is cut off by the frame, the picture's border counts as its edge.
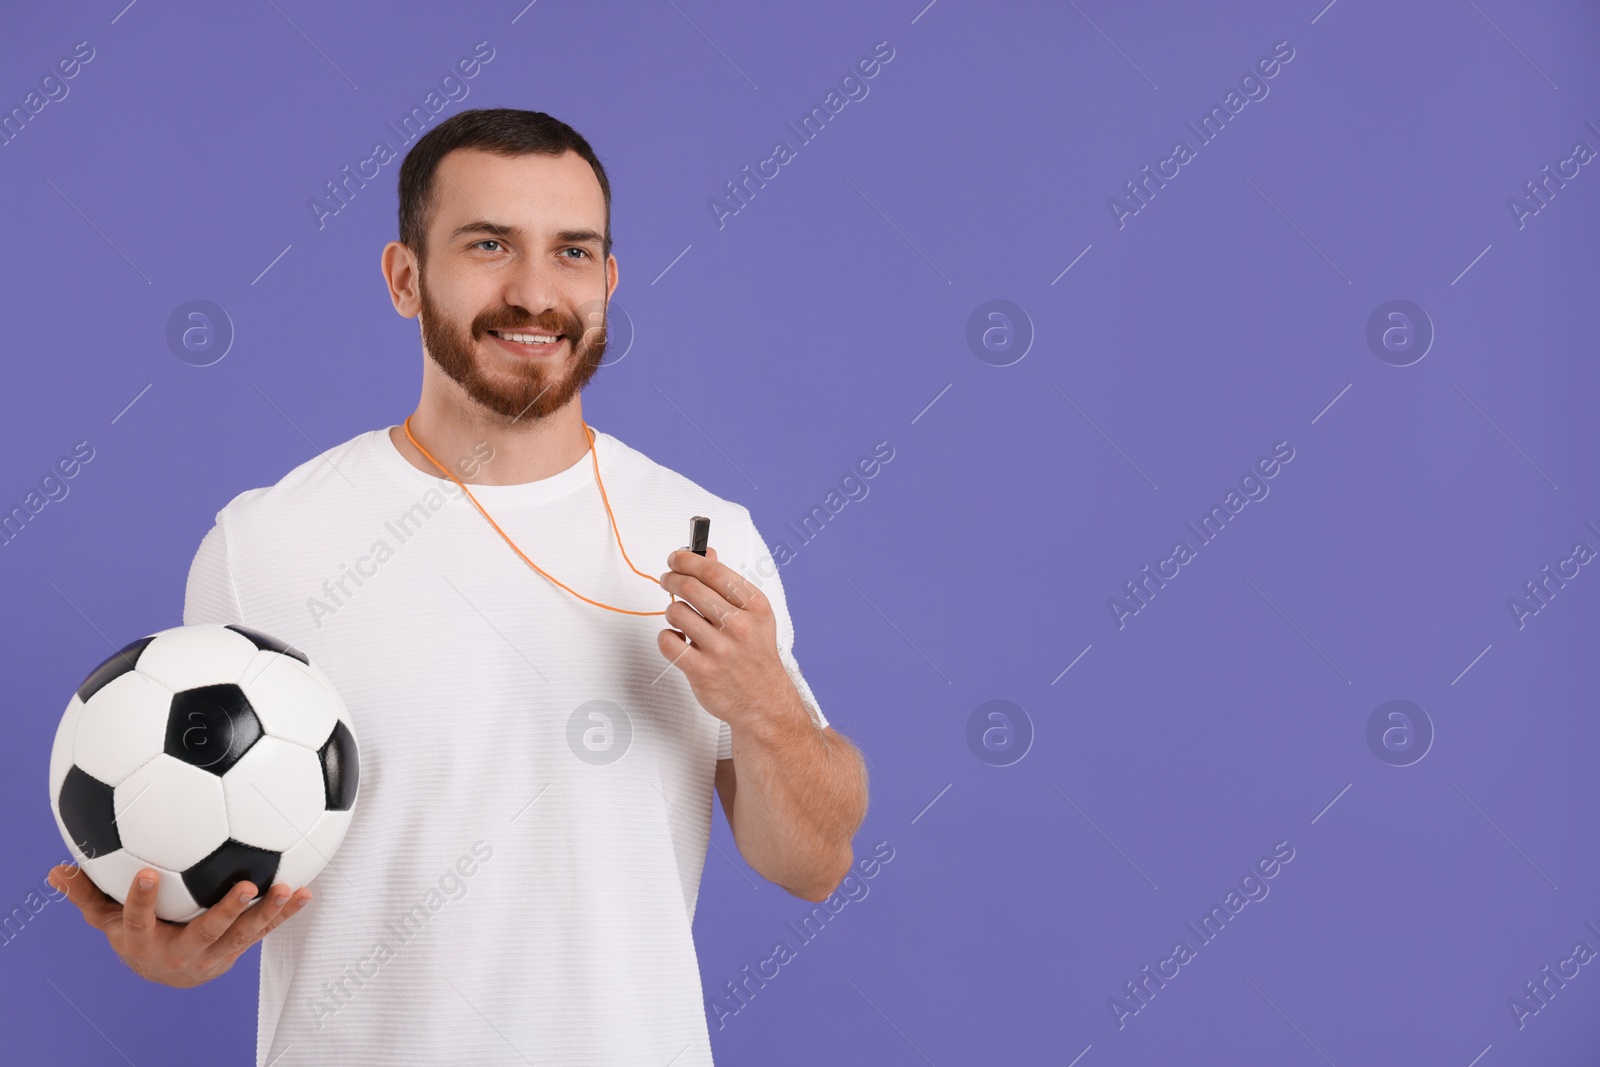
(521, 337)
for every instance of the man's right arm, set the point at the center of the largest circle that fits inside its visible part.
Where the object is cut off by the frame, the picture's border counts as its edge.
(177, 955)
(185, 955)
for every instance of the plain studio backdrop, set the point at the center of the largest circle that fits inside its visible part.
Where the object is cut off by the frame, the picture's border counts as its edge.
(1083, 347)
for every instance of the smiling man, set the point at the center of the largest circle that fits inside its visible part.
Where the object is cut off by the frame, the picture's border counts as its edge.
(542, 723)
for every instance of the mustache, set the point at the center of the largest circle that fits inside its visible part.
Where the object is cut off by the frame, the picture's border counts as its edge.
(559, 325)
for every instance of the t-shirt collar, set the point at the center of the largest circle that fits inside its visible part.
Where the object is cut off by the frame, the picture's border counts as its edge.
(579, 474)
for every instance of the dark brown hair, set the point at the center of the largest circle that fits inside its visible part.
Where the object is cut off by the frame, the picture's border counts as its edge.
(504, 131)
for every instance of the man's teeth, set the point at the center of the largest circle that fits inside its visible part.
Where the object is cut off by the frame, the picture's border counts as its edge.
(525, 338)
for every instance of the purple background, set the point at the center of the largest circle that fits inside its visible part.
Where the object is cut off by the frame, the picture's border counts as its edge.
(827, 315)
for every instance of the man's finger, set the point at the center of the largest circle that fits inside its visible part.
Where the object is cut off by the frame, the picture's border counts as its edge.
(96, 906)
(139, 909)
(253, 924)
(692, 625)
(700, 596)
(300, 899)
(678, 651)
(206, 929)
(719, 578)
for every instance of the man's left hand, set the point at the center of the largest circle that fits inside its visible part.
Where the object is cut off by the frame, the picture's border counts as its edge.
(731, 653)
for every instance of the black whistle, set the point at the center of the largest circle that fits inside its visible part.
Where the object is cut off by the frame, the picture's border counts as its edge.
(699, 534)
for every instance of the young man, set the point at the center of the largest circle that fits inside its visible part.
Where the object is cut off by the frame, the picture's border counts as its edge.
(537, 760)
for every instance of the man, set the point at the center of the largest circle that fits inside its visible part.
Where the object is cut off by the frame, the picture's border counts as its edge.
(519, 879)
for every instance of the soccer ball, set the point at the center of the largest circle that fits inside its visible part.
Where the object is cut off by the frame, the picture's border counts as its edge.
(214, 754)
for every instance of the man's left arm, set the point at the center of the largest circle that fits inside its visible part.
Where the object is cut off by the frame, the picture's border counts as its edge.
(794, 794)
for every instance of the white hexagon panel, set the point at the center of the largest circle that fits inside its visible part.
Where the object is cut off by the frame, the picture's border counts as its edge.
(178, 816)
(122, 727)
(188, 657)
(274, 794)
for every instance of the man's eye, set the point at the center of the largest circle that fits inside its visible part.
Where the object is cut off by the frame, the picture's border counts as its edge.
(486, 241)
(580, 251)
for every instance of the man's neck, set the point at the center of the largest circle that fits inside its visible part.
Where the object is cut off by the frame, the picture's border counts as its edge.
(489, 450)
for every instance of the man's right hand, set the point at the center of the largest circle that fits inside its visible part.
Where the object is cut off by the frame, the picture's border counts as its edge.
(178, 955)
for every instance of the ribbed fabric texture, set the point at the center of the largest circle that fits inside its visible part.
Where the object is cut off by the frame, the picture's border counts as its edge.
(520, 876)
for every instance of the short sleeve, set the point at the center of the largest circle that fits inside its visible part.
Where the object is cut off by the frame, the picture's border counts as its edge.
(762, 569)
(210, 595)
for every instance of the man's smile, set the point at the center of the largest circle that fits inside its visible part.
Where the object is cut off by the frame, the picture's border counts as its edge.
(527, 344)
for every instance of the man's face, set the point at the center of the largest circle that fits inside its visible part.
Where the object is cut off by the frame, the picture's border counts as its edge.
(513, 257)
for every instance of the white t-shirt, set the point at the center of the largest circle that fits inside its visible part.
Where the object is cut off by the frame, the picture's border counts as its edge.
(519, 878)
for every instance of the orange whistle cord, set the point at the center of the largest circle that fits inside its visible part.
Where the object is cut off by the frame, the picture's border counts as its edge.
(603, 499)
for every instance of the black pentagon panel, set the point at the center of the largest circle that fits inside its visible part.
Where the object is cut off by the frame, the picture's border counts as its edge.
(209, 880)
(270, 644)
(341, 769)
(211, 727)
(91, 818)
(115, 666)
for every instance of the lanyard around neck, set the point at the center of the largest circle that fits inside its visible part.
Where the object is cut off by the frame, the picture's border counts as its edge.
(592, 452)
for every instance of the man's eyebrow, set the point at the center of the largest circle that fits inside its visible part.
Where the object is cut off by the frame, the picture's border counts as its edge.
(499, 229)
(579, 237)
(484, 226)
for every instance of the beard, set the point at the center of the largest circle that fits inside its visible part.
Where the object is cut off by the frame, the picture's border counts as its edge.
(532, 390)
